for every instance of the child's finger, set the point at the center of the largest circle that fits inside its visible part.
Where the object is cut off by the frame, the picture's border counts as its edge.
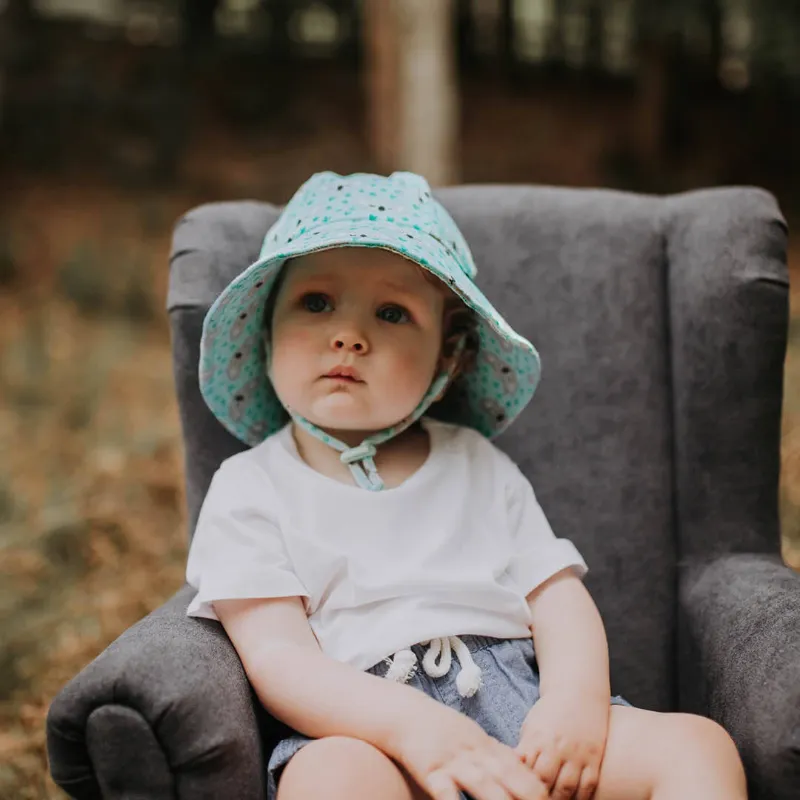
(588, 783)
(567, 781)
(530, 743)
(440, 786)
(483, 780)
(547, 766)
(529, 755)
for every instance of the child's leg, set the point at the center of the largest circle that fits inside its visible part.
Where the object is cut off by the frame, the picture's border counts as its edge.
(652, 756)
(339, 768)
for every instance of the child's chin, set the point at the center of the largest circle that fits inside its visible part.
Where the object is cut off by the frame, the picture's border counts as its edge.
(348, 419)
(340, 413)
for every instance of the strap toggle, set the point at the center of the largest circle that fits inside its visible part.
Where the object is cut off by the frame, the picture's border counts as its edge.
(354, 454)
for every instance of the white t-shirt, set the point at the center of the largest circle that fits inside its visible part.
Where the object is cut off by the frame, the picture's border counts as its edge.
(453, 550)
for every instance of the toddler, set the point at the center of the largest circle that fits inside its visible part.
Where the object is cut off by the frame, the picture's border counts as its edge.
(384, 572)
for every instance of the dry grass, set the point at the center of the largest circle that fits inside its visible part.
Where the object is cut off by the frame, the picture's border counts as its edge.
(90, 483)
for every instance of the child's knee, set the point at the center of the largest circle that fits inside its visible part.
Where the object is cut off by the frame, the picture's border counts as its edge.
(667, 755)
(704, 738)
(699, 754)
(341, 767)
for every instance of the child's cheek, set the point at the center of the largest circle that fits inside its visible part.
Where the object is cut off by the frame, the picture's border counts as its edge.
(295, 337)
(294, 350)
(415, 369)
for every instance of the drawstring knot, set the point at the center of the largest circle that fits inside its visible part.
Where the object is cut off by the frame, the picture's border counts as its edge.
(360, 453)
(403, 666)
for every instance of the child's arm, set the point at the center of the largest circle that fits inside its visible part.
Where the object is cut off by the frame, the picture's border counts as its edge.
(569, 638)
(309, 691)
(563, 737)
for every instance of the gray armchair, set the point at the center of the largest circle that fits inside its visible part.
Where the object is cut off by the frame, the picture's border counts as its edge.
(653, 443)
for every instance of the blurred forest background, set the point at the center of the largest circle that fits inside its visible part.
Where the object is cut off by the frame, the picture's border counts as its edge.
(116, 116)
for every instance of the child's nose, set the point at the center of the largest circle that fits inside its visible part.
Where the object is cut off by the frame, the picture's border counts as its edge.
(352, 341)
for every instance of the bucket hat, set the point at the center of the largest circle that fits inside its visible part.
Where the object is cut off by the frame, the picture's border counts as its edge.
(397, 213)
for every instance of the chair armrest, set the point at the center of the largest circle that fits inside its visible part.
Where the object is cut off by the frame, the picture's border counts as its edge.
(165, 711)
(740, 661)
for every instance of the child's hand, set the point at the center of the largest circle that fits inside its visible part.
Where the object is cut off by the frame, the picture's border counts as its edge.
(563, 740)
(448, 752)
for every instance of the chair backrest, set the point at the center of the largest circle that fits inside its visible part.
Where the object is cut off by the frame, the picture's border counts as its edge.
(654, 436)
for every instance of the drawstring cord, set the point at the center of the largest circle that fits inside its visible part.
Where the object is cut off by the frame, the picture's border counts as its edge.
(403, 665)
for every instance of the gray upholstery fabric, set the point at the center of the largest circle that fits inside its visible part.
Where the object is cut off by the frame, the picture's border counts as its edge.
(728, 299)
(653, 438)
(211, 244)
(741, 613)
(165, 711)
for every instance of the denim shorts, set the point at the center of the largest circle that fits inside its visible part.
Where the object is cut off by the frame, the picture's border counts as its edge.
(510, 687)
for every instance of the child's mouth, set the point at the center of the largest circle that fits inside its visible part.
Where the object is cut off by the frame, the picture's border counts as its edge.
(344, 375)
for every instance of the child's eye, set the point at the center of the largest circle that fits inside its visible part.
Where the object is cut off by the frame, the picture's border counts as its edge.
(394, 314)
(316, 303)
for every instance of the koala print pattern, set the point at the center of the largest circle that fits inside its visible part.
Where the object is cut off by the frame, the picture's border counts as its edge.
(254, 290)
(240, 324)
(494, 409)
(235, 364)
(258, 431)
(505, 345)
(238, 405)
(502, 372)
(398, 213)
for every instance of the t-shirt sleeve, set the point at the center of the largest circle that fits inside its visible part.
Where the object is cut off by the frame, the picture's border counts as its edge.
(238, 551)
(538, 554)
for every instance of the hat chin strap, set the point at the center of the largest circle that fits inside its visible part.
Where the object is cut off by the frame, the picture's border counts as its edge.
(361, 459)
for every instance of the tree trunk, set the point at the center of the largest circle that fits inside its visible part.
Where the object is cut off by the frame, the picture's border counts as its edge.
(381, 75)
(412, 88)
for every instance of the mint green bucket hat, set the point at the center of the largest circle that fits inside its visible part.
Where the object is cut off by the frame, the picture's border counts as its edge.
(396, 213)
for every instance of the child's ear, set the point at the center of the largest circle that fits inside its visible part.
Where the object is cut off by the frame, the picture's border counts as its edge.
(456, 360)
(449, 360)
(458, 325)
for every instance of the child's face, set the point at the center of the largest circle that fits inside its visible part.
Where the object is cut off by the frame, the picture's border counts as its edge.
(361, 309)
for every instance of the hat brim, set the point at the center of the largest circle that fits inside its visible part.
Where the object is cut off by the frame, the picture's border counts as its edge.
(233, 378)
